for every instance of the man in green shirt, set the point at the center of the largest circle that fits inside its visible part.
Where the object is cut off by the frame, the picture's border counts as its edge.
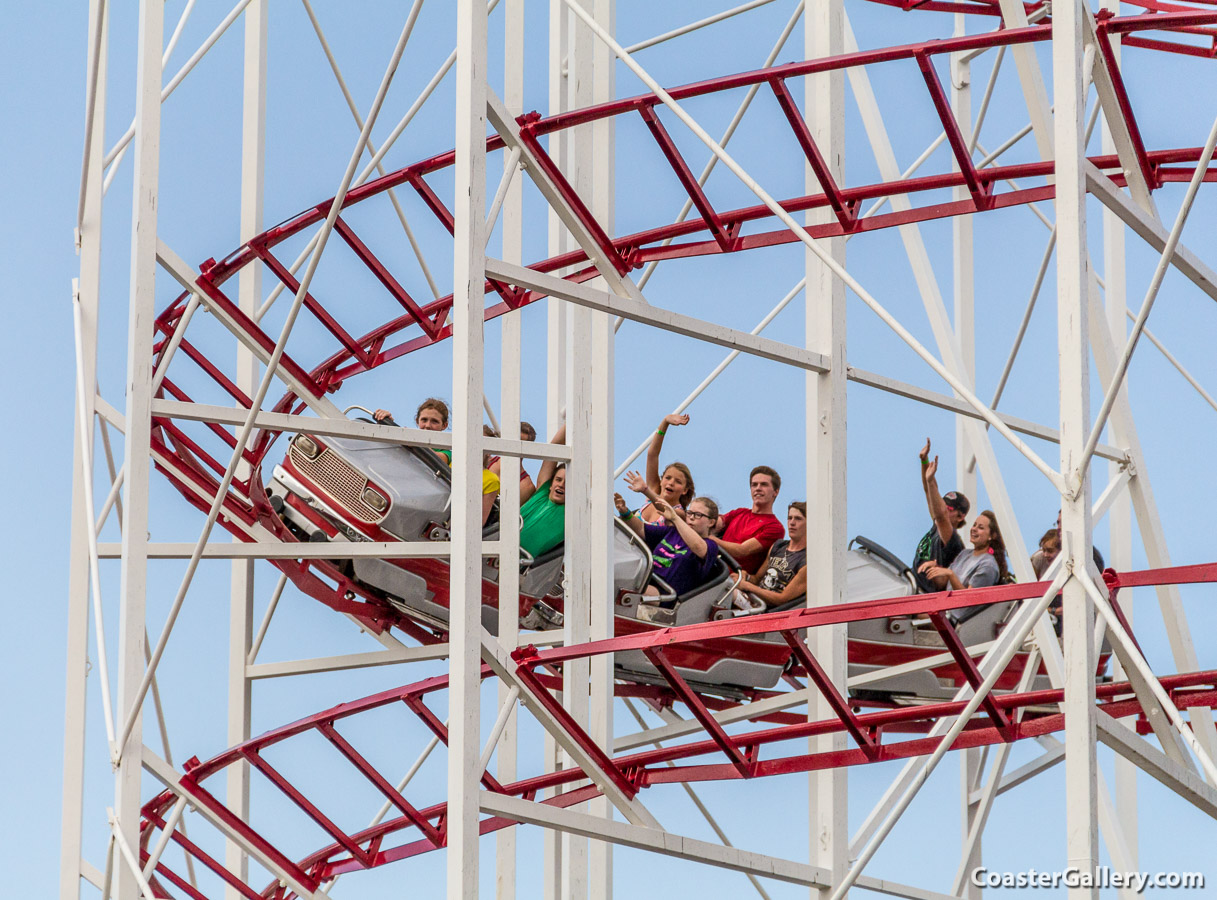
(543, 510)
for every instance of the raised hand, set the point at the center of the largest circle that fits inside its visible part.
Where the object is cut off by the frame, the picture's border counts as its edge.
(620, 503)
(637, 483)
(666, 510)
(674, 419)
(931, 468)
(925, 451)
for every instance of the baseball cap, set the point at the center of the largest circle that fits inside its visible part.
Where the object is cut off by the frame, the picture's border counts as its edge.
(956, 500)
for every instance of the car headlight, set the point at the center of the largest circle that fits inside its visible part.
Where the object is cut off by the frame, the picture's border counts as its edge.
(375, 499)
(307, 446)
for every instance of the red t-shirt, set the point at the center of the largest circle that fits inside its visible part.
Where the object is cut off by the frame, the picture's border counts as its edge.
(743, 524)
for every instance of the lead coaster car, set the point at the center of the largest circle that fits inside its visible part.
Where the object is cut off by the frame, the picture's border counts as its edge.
(345, 489)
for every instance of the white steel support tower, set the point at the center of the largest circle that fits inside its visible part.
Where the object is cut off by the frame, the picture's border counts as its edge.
(584, 708)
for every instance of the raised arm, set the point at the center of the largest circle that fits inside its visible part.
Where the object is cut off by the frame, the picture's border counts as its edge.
(692, 539)
(639, 485)
(632, 521)
(933, 496)
(796, 588)
(657, 445)
(549, 467)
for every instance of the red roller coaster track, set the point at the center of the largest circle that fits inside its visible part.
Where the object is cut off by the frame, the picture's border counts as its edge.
(740, 755)
(196, 472)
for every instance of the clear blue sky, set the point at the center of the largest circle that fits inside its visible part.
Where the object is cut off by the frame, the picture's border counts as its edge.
(749, 416)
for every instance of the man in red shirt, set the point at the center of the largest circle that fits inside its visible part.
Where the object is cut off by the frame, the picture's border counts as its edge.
(747, 534)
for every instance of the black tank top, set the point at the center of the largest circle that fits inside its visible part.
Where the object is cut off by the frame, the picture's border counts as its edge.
(782, 566)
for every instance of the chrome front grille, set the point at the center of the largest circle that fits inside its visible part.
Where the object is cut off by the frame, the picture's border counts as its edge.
(339, 479)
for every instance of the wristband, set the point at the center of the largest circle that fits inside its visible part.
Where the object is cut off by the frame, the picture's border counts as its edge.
(625, 516)
(661, 431)
(925, 463)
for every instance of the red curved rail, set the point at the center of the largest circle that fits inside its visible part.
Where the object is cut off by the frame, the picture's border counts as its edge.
(416, 829)
(195, 469)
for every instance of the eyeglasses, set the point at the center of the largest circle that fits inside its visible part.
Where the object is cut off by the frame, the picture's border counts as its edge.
(694, 516)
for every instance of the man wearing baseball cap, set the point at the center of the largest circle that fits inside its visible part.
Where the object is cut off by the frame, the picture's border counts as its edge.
(942, 542)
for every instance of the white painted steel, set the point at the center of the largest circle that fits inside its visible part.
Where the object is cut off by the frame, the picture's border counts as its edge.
(506, 708)
(494, 654)
(728, 133)
(697, 801)
(339, 426)
(372, 166)
(653, 840)
(165, 774)
(976, 812)
(1081, 766)
(1134, 662)
(586, 295)
(991, 667)
(826, 423)
(380, 169)
(390, 657)
(714, 373)
(1153, 536)
(272, 366)
(125, 752)
(815, 247)
(694, 26)
(249, 292)
(97, 30)
(510, 467)
(1187, 784)
(76, 640)
(85, 456)
(1151, 294)
(256, 643)
(132, 868)
(130, 133)
(465, 572)
(1170, 357)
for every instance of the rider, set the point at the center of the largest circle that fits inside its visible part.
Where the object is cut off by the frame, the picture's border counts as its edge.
(543, 509)
(747, 534)
(783, 577)
(942, 543)
(683, 552)
(676, 484)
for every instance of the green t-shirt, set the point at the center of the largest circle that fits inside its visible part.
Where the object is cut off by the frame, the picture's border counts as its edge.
(544, 522)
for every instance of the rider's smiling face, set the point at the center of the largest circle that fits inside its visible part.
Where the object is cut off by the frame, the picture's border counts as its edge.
(557, 487)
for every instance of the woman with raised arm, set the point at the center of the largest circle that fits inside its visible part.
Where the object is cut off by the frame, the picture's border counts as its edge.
(675, 485)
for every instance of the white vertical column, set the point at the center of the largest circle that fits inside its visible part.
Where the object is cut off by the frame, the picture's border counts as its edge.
(77, 645)
(964, 285)
(1081, 796)
(555, 383)
(965, 334)
(249, 297)
(469, 274)
(824, 100)
(559, 240)
(600, 482)
(512, 217)
(1119, 516)
(131, 640)
(587, 685)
